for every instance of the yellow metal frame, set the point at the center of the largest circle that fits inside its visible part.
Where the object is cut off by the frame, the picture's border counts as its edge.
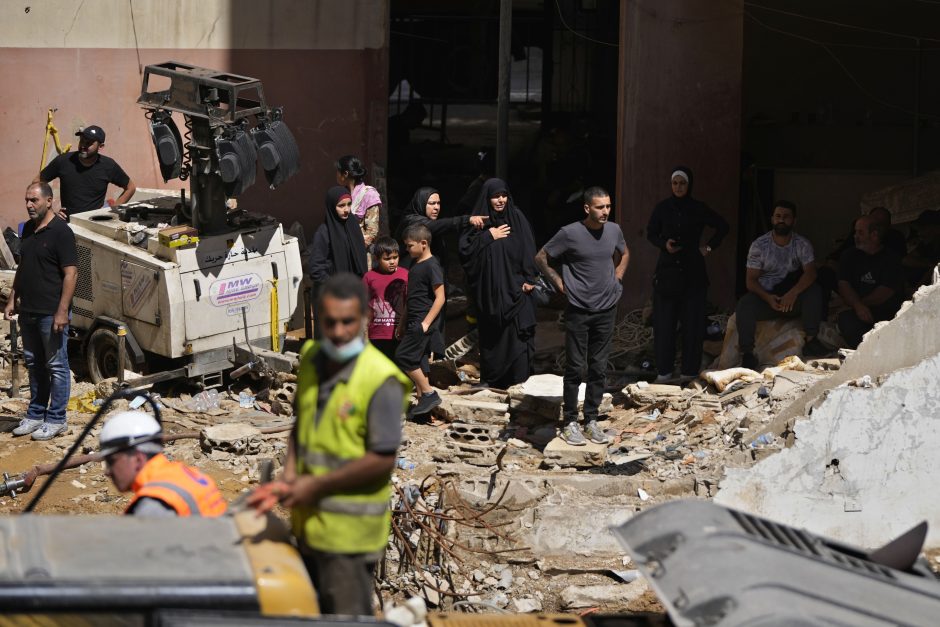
(51, 130)
(284, 588)
(275, 314)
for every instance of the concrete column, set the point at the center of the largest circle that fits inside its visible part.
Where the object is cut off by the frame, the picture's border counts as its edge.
(679, 103)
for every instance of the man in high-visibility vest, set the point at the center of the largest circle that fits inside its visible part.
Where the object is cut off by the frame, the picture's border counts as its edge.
(132, 450)
(349, 405)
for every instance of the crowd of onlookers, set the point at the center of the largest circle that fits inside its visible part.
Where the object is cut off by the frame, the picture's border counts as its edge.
(871, 272)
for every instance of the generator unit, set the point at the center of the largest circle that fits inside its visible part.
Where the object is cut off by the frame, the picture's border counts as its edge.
(194, 283)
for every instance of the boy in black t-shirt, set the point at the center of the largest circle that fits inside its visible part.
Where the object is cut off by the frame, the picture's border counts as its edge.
(418, 329)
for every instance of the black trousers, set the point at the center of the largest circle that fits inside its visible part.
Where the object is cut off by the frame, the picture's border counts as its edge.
(588, 340)
(751, 308)
(343, 582)
(852, 328)
(688, 309)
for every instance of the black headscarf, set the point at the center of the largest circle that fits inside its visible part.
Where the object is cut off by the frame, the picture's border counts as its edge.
(496, 269)
(416, 213)
(347, 247)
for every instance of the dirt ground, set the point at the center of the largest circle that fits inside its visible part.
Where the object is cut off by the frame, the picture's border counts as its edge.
(86, 489)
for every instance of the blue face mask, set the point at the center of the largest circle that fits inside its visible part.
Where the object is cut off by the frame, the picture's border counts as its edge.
(342, 354)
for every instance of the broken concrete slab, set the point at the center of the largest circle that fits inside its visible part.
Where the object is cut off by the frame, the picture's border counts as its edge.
(232, 437)
(542, 394)
(613, 596)
(454, 408)
(643, 393)
(477, 455)
(859, 467)
(900, 343)
(527, 605)
(567, 456)
(574, 535)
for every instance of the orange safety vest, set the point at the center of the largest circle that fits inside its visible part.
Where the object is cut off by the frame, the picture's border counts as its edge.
(185, 489)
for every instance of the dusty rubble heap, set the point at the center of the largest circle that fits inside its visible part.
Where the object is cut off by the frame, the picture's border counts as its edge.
(487, 488)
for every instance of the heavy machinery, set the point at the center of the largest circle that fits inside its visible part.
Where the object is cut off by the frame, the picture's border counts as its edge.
(199, 288)
(110, 570)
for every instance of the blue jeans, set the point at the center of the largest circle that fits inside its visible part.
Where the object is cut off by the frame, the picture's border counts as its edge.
(47, 361)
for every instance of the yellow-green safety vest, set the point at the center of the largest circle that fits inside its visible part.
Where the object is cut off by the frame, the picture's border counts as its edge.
(357, 521)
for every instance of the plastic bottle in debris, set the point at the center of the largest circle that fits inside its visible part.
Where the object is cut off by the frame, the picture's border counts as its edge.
(404, 464)
(762, 440)
(205, 400)
(246, 399)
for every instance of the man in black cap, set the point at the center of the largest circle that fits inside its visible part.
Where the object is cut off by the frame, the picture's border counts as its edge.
(84, 175)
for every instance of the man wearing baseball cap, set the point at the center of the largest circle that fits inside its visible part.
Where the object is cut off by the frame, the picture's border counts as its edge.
(84, 174)
(131, 445)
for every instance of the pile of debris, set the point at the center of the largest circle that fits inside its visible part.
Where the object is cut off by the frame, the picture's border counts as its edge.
(513, 517)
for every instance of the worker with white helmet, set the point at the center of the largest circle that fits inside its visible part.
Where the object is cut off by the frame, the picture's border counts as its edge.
(132, 449)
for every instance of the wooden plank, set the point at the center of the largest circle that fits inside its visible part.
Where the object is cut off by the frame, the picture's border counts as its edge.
(7, 262)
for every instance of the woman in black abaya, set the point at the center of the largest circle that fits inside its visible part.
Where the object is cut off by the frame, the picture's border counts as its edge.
(425, 208)
(338, 245)
(680, 282)
(499, 262)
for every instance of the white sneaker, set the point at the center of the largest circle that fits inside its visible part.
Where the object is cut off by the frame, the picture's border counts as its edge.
(49, 430)
(27, 426)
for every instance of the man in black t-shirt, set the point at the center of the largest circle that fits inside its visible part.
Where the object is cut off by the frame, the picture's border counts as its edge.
(43, 285)
(84, 175)
(870, 281)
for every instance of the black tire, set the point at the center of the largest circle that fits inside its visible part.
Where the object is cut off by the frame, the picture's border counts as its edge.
(101, 354)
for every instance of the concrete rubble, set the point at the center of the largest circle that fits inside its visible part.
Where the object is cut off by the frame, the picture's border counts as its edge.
(864, 459)
(495, 456)
(493, 510)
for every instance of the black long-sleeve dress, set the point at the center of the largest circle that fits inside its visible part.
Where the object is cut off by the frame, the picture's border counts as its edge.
(680, 282)
(496, 270)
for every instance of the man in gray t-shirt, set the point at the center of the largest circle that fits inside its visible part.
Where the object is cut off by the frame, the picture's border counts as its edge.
(594, 257)
(781, 282)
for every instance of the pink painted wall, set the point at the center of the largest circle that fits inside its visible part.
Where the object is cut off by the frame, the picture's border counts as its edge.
(335, 103)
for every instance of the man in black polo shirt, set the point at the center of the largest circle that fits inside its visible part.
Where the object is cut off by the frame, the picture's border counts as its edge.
(871, 281)
(84, 175)
(43, 285)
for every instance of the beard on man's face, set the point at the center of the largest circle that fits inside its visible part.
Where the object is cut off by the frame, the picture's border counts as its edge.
(783, 229)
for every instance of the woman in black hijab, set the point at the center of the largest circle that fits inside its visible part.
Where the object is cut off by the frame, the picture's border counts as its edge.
(681, 282)
(500, 266)
(425, 208)
(338, 245)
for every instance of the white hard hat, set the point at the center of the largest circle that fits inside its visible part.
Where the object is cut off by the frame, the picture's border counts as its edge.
(128, 429)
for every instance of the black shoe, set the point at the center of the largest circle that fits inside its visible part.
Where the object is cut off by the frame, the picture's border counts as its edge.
(815, 348)
(425, 404)
(749, 361)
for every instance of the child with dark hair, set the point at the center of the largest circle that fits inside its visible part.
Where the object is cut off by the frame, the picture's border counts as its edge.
(387, 284)
(420, 335)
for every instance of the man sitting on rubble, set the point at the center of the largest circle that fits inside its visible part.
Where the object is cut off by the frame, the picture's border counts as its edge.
(781, 282)
(871, 281)
(132, 449)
